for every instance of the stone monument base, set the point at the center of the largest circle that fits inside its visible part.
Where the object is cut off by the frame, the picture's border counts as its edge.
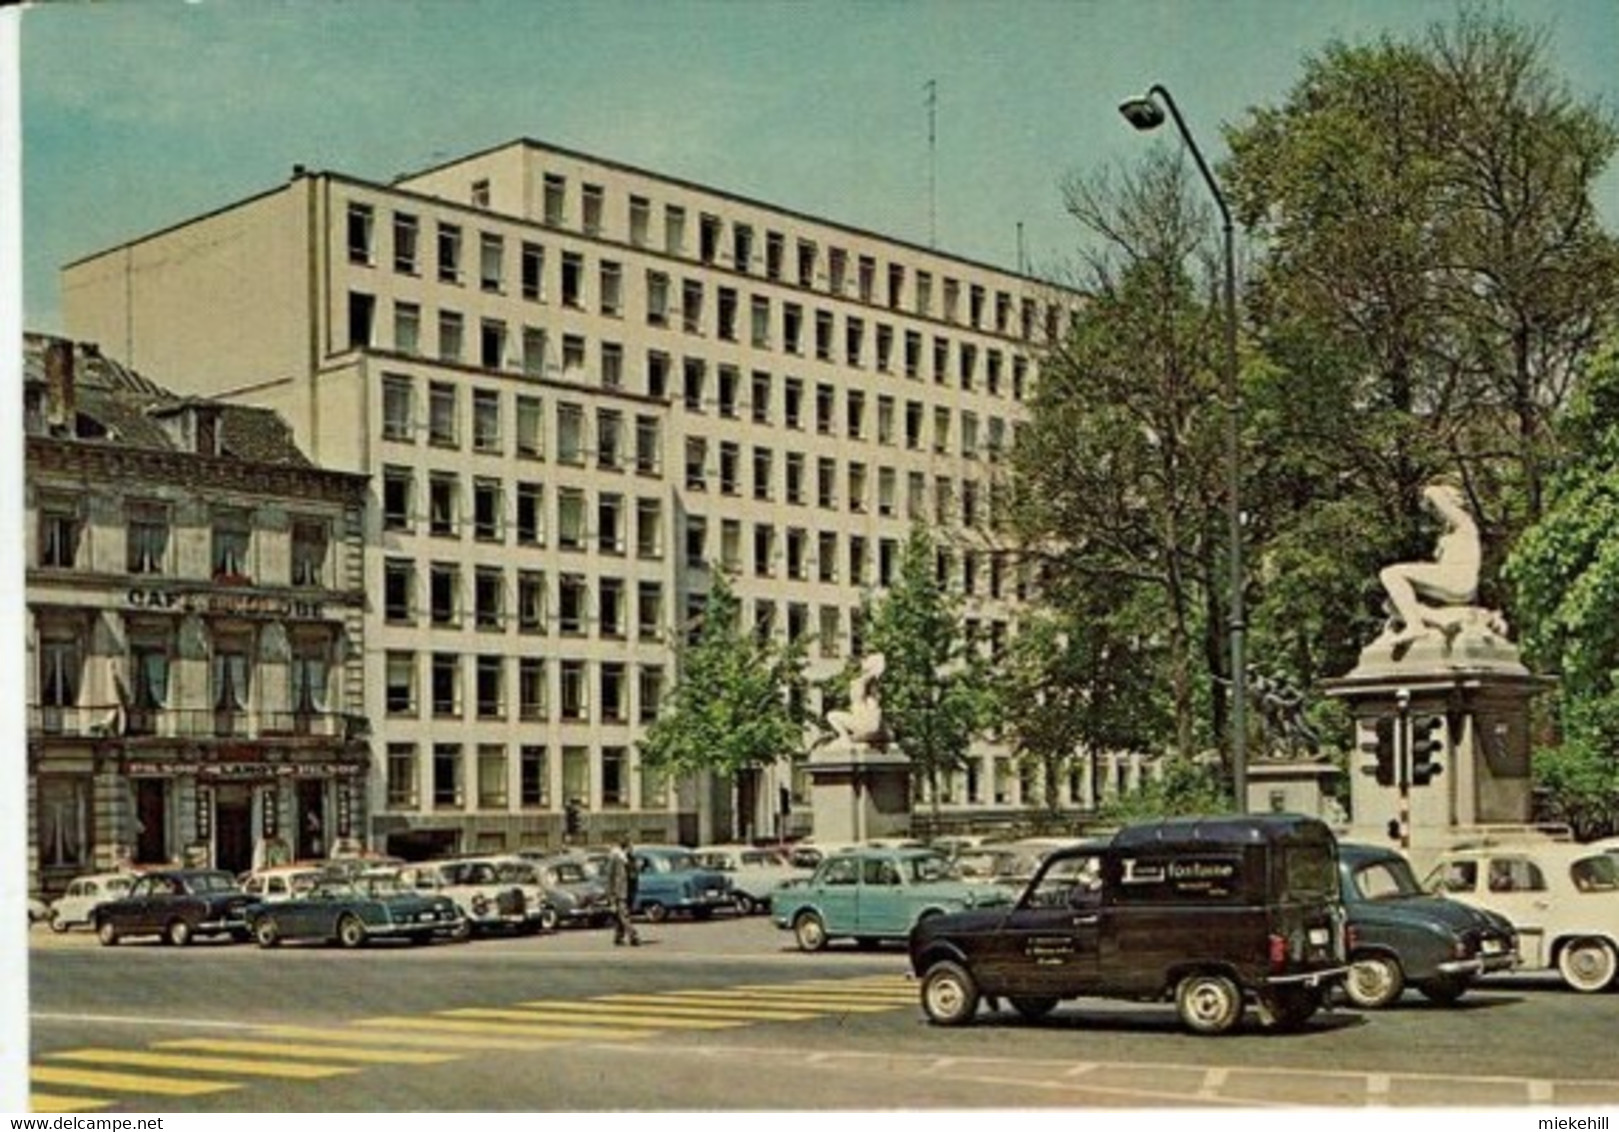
(858, 792)
(1292, 787)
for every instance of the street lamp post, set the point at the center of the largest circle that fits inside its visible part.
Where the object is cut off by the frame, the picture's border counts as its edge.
(1146, 113)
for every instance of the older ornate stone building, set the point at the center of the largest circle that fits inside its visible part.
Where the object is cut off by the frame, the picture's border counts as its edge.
(195, 620)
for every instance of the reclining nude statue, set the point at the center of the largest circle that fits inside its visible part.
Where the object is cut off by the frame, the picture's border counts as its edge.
(1439, 594)
(863, 722)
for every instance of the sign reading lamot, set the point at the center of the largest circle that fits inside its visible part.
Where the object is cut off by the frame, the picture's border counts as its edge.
(223, 601)
(243, 770)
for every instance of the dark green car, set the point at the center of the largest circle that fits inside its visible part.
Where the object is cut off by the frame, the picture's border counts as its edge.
(351, 913)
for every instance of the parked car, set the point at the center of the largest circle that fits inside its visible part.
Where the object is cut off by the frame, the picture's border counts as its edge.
(178, 905)
(38, 911)
(351, 912)
(755, 873)
(1562, 898)
(574, 890)
(870, 895)
(284, 882)
(76, 905)
(488, 902)
(1401, 936)
(1210, 913)
(670, 880)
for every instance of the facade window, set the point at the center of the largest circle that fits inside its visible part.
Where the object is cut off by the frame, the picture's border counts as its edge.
(657, 374)
(530, 601)
(708, 237)
(553, 200)
(650, 689)
(885, 420)
(762, 473)
(572, 599)
(795, 477)
(489, 598)
(232, 543)
(399, 680)
(691, 306)
(916, 491)
(152, 652)
(674, 230)
(727, 312)
(941, 429)
(407, 328)
(448, 783)
(451, 336)
(695, 374)
(696, 541)
(530, 514)
(446, 685)
(854, 341)
(657, 298)
(887, 557)
(887, 483)
(398, 408)
(361, 221)
(573, 357)
(61, 669)
(533, 777)
(648, 446)
(147, 539)
(759, 322)
(797, 621)
(924, 294)
(406, 254)
(885, 347)
(612, 365)
(530, 427)
(764, 550)
(591, 200)
(831, 631)
(231, 676)
(760, 397)
(826, 482)
(575, 695)
(399, 591)
(640, 221)
(837, 270)
(310, 674)
(913, 353)
(825, 408)
(404, 785)
(573, 279)
(857, 560)
(806, 263)
(610, 523)
(823, 335)
(490, 687)
(696, 463)
(444, 594)
(362, 320)
(913, 425)
(793, 402)
(730, 545)
(792, 328)
(443, 504)
(310, 542)
(449, 253)
(649, 611)
(615, 777)
(442, 427)
(797, 565)
(492, 788)
(492, 343)
(611, 287)
(857, 487)
(614, 693)
(730, 468)
(648, 528)
(532, 698)
(866, 275)
(485, 421)
(854, 414)
(570, 518)
(729, 391)
(532, 267)
(609, 439)
(570, 434)
(826, 556)
(491, 262)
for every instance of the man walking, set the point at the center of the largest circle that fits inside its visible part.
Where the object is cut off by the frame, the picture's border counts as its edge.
(621, 891)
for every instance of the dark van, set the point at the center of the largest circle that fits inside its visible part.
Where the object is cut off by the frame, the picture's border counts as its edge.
(1213, 913)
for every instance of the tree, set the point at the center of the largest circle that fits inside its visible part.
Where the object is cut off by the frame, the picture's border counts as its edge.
(735, 706)
(1182, 787)
(935, 691)
(1120, 471)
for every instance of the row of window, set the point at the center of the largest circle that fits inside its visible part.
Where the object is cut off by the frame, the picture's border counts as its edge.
(529, 350)
(492, 690)
(494, 777)
(831, 270)
(150, 543)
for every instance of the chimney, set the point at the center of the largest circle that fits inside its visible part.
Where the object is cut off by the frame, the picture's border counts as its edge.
(60, 398)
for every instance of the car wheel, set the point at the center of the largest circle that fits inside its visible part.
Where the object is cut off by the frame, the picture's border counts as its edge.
(58, 925)
(1033, 1009)
(266, 932)
(178, 932)
(1445, 992)
(1208, 1003)
(106, 933)
(350, 932)
(1374, 981)
(550, 918)
(810, 931)
(949, 994)
(1289, 1008)
(462, 931)
(1588, 965)
(745, 905)
(654, 912)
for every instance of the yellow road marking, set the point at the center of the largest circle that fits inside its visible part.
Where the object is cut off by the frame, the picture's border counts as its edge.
(587, 1014)
(699, 1011)
(54, 1102)
(147, 1059)
(124, 1082)
(340, 1040)
(802, 1001)
(508, 1029)
(289, 1049)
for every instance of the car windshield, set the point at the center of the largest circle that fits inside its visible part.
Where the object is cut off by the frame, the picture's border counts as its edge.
(1383, 880)
(1595, 874)
(721, 861)
(924, 870)
(379, 885)
(669, 863)
(569, 872)
(518, 872)
(212, 882)
(1308, 872)
(333, 890)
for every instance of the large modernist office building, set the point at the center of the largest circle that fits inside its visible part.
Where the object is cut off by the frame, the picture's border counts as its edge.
(577, 388)
(195, 629)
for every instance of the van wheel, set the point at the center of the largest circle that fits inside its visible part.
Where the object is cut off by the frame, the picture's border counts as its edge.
(949, 995)
(1588, 965)
(810, 932)
(1374, 981)
(1033, 1009)
(1208, 1004)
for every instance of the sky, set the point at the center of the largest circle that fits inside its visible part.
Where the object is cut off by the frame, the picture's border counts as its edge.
(140, 113)
(136, 114)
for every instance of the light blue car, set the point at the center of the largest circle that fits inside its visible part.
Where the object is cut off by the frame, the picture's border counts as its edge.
(871, 895)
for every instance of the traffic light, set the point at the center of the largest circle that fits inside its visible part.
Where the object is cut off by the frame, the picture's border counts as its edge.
(571, 817)
(1383, 747)
(1426, 743)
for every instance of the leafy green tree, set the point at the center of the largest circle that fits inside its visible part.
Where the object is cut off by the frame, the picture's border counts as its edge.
(1182, 787)
(735, 705)
(936, 690)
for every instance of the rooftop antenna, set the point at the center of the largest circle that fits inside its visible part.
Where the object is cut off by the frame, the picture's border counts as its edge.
(932, 87)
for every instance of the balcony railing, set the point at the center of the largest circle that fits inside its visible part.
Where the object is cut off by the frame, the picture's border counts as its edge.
(193, 723)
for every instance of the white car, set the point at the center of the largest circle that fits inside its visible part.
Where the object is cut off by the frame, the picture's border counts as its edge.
(1563, 899)
(75, 906)
(479, 888)
(283, 882)
(755, 873)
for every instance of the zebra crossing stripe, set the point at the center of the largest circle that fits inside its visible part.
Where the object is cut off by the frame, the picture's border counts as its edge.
(800, 1000)
(342, 1040)
(503, 1029)
(700, 1011)
(587, 1013)
(125, 1082)
(148, 1059)
(56, 1102)
(290, 1049)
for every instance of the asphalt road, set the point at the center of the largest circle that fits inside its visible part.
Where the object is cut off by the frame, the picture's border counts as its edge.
(727, 1016)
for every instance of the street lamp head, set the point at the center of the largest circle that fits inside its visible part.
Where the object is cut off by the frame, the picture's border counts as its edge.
(1143, 113)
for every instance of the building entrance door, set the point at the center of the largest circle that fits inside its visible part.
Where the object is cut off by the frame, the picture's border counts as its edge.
(233, 829)
(152, 821)
(311, 819)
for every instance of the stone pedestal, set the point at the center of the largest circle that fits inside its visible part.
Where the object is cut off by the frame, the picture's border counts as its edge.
(1289, 787)
(1470, 676)
(858, 791)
